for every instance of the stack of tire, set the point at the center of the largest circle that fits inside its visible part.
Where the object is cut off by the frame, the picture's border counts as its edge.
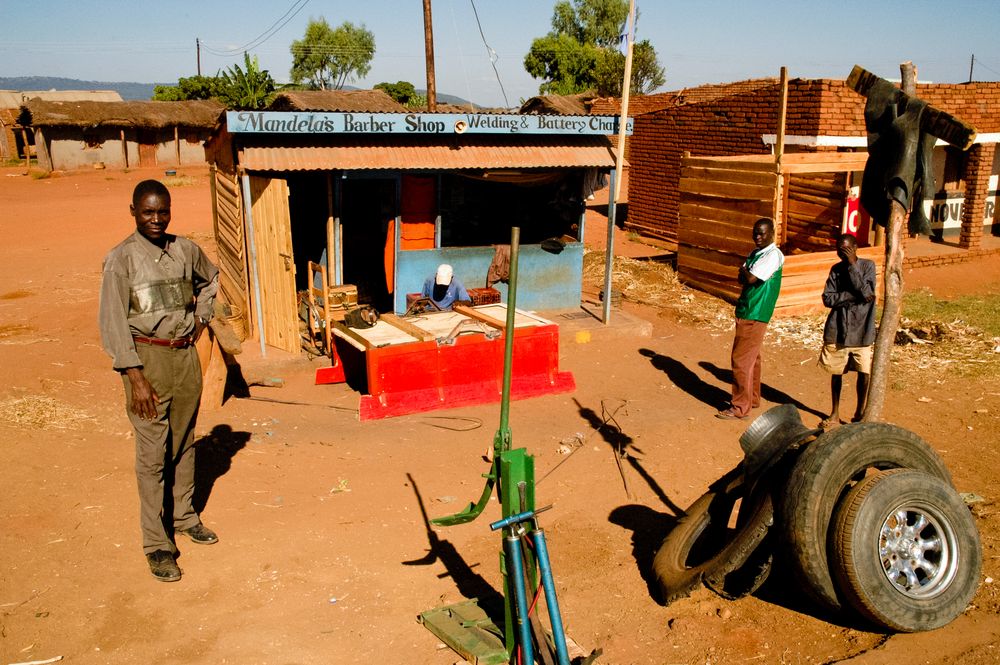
(865, 515)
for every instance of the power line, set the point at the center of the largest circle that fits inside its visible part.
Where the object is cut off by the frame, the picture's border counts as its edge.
(492, 54)
(264, 36)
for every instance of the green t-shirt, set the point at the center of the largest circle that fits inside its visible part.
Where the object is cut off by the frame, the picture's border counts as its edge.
(756, 301)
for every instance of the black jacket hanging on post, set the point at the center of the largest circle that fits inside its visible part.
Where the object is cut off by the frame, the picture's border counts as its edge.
(899, 165)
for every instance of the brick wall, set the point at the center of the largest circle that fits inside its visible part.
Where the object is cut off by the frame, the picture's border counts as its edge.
(732, 122)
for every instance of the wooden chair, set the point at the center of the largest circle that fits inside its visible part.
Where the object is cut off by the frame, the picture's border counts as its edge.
(319, 307)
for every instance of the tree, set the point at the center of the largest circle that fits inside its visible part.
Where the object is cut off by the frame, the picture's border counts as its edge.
(647, 75)
(580, 52)
(402, 91)
(192, 87)
(252, 88)
(326, 58)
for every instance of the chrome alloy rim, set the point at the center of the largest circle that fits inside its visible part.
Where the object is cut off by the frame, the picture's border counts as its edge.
(918, 551)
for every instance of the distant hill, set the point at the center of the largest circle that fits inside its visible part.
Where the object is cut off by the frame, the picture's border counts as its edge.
(127, 89)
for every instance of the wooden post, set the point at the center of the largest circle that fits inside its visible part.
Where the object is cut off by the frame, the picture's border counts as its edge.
(27, 148)
(331, 245)
(623, 118)
(177, 144)
(892, 282)
(615, 186)
(124, 150)
(779, 153)
(429, 57)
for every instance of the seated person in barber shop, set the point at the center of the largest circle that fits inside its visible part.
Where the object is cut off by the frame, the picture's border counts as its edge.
(444, 290)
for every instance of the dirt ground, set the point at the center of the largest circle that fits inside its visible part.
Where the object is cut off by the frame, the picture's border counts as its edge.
(324, 555)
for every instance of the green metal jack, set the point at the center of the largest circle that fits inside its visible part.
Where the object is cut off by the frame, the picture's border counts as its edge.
(512, 472)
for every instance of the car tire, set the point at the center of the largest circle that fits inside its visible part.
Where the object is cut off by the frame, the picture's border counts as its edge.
(822, 474)
(905, 551)
(702, 545)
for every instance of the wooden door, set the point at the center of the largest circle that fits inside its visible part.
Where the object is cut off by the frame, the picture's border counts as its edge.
(147, 147)
(231, 246)
(272, 234)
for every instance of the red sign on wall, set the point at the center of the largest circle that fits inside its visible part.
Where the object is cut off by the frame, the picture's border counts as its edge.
(857, 222)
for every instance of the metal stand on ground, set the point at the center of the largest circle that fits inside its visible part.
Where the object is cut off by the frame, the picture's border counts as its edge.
(524, 553)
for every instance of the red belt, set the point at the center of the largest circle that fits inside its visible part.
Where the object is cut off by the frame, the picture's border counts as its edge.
(180, 343)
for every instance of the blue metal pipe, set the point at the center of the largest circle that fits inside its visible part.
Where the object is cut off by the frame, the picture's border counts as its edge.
(515, 575)
(542, 556)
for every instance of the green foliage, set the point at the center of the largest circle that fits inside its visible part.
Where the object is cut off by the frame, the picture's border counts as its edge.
(580, 53)
(401, 91)
(192, 87)
(417, 102)
(647, 75)
(250, 88)
(326, 58)
(566, 65)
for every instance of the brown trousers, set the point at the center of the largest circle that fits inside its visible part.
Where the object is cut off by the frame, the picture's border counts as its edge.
(746, 360)
(164, 453)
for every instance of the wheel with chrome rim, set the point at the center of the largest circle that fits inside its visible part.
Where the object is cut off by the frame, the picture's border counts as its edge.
(905, 552)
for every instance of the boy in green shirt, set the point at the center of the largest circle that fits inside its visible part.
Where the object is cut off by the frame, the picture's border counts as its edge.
(760, 276)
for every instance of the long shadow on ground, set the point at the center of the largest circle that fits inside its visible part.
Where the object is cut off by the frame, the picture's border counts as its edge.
(766, 392)
(470, 584)
(687, 380)
(648, 526)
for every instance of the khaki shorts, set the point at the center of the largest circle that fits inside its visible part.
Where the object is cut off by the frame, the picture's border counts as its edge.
(840, 359)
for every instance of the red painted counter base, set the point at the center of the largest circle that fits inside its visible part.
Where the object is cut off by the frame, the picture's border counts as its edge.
(424, 376)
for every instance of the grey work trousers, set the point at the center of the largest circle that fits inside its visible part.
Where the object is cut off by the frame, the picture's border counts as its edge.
(164, 452)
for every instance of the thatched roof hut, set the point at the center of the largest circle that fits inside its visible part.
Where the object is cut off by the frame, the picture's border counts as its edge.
(196, 114)
(578, 104)
(337, 101)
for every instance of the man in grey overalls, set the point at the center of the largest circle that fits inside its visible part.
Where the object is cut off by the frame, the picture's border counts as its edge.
(157, 297)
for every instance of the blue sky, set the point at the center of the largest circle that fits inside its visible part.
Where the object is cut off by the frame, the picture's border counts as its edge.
(706, 41)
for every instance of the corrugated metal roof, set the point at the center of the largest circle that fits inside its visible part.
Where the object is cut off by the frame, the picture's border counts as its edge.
(530, 153)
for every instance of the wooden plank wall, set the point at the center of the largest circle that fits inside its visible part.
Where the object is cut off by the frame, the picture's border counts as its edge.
(804, 275)
(813, 211)
(275, 262)
(231, 243)
(719, 202)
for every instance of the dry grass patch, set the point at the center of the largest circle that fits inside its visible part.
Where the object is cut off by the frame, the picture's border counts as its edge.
(656, 284)
(39, 412)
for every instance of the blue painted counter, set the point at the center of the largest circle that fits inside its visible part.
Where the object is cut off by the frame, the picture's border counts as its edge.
(544, 280)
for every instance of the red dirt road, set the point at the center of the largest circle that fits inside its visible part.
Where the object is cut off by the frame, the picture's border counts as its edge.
(324, 557)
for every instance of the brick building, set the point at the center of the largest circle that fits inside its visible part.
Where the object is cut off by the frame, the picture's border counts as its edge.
(822, 115)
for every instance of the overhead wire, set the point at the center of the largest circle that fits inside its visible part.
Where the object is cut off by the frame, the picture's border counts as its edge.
(281, 22)
(492, 54)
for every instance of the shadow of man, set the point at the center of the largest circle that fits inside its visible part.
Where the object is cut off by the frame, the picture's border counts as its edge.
(766, 392)
(470, 584)
(213, 459)
(687, 380)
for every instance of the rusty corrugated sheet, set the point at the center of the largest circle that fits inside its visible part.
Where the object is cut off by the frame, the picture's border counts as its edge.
(592, 152)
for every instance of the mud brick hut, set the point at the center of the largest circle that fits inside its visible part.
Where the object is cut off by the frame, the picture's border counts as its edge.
(707, 201)
(70, 135)
(16, 142)
(381, 195)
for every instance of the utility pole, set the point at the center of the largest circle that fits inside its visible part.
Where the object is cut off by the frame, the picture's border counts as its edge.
(971, 65)
(197, 46)
(429, 57)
